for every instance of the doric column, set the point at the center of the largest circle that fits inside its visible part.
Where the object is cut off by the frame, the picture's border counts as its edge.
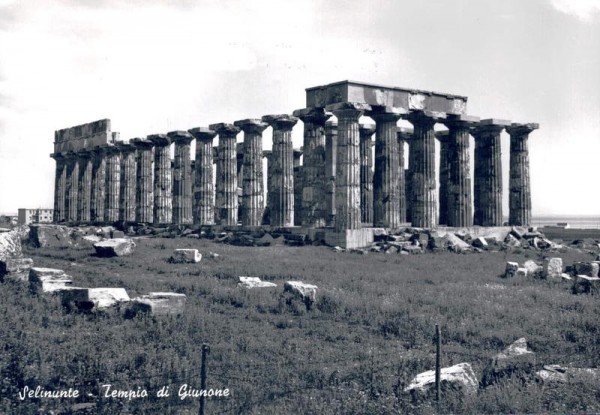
(313, 202)
(182, 177)
(488, 172)
(366, 172)
(298, 186)
(144, 190)
(267, 154)
(444, 176)
(282, 212)
(85, 186)
(252, 206)
(127, 191)
(163, 203)
(60, 178)
(204, 197)
(519, 197)
(330, 162)
(347, 180)
(460, 212)
(71, 186)
(424, 197)
(98, 184)
(404, 135)
(227, 203)
(386, 187)
(113, 184)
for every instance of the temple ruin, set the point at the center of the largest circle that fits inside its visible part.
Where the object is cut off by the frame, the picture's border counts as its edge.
(341, 186)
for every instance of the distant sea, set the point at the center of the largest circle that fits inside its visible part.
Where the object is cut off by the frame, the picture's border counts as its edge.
(575, 222)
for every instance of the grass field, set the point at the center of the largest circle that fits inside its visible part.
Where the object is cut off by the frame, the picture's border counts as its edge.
(369, 333)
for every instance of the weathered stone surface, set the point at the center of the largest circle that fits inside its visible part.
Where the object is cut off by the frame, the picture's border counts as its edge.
(113, 184)
(60, 178)
(58, 236)
(522, 272)
(127, 192)
(532, 267)
(553, 267)
(584, 284)
(84, 193)
(330, 170)
(255, 282)
(561, 374)
(226, 182)
(98, 191)
(93, 298)
(585, 268)
(10, 244)
(144, 190)
(515, 360)
(480, 242)
(71, 186)
(511, 241)
(182, 177)
(366, 173)
(48, 279)
(114, 247)
(204, 200)
(163, 201)
(511, 269)
(519, 197)
(458, 377)
(157, 304)
(82, 136)
(185, 256)
(15, 268)
(306, 292)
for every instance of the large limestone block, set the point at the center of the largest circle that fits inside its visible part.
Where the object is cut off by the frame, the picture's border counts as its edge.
(584, 284)
(185, 256)
(553, 267)
(114, 247)
(157, 304)
(98, 298)
(57, 236)
(480, 242)
(10, 245)
(254, 282)
(515, 360)
(48, 279)
(585, 268)
(511, 269)
(532, 267)
(458, 377)
(561, 374)
(15, 268)
(306, 292)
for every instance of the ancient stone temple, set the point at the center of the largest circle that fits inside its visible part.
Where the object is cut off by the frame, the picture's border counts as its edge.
(352, 177)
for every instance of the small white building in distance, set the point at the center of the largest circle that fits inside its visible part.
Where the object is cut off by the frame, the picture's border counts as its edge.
(27, 216)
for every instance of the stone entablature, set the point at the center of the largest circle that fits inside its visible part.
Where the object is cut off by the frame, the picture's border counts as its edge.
(83, 136)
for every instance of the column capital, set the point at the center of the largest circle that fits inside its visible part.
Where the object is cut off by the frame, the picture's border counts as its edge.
(57, 156)
(366, 130)
(349, 109)
(202, 133)
(331, 127)
(180, 136)
(442, 135)
(457, 121)
(404, 133)
(100, 150)
(267, 153)
(125, 147)
(313, 115)
(159, 140)
(141, 143)
(429, 118)
(386, 113)
(225, 129)
(490, 126)
(251, 125)
(521, 129)
(280, 121)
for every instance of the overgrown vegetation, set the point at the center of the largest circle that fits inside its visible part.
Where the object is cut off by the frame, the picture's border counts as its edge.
(369, 333)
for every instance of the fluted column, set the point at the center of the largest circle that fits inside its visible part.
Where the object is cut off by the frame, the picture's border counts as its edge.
(252, 206)
(519, 196)
(405, 135)
(298, 186)
(182, 177)
(366, 172)
(163, 202)
(282, 212)
(268, 154)
(443, 176)
(227, 202)
(424, 197)
(98, 201)
(488, 172)
(204, 197)
(347, 180)
(71, 186)
(84, 195)
(330, 162)
(144, 191)
(60, 178)
(128, 182)
(460, 212)
(386, 187)
(314, 178)
(113, 184)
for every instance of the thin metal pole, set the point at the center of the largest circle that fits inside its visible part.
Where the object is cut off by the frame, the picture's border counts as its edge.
(438, 370)
(205, 351)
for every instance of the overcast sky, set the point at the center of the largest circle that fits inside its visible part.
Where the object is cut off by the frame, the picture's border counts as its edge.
(156, 66)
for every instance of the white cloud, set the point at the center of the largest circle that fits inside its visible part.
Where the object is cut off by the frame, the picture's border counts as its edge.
(583, 9)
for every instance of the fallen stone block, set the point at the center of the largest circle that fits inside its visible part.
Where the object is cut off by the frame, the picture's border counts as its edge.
(185, 256)
(512, 241)
(254, 282)
(553, 267)
(521, 272)
(584, 284)
(460, 377)
(480, 243)
(515, 360)
(306, 292)
(114, 247)
(10, 245)
(90, 298)
(585, 268)
(511, 269)
(560, 374)
(48, 280)
(157, 304)
(532, 267)
(15, 268)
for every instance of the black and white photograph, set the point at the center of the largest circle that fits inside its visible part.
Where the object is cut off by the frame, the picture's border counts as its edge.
(299, 207)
